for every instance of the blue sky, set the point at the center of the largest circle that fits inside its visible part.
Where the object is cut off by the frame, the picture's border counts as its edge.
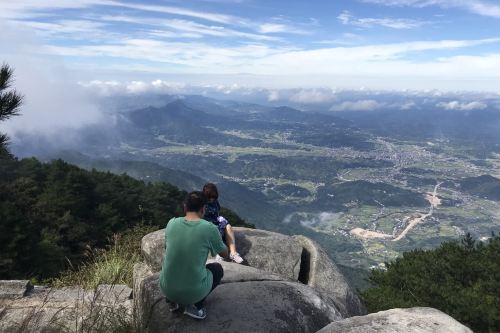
(379, 44)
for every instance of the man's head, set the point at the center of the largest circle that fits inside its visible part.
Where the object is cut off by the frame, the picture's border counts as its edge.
(195, 203)
(210, 191)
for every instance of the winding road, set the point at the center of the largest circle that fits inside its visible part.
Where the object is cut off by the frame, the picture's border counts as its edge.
(434, 201)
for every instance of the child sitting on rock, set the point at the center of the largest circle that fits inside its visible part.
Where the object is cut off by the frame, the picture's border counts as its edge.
(212, 215)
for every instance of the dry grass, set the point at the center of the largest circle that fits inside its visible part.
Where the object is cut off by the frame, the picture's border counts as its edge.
(113, 265)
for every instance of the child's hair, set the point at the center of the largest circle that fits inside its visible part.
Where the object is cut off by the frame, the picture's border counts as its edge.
(210, 191)
(195, 201)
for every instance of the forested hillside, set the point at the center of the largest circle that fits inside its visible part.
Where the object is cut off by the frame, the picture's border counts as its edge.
(52, 212)
(458, 278)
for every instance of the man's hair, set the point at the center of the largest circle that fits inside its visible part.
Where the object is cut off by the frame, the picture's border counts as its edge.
(210, 191)
(195, 201)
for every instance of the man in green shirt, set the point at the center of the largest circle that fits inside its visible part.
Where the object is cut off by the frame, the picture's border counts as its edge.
(184, 278)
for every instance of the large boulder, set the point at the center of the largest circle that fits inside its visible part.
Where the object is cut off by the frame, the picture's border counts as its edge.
(153, 249)
(412, 320)
(296, 258)
(322, 274)
(269, 251)
(248, 300)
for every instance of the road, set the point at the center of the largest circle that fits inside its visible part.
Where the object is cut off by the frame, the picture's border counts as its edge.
(434, 203)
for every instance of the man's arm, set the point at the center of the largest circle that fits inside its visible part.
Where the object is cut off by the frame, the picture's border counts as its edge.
(217, 246)
(224, 254)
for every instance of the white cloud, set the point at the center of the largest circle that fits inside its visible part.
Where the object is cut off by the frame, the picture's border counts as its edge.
(384, 59)
(484, 8)
(71, 29)
(312, 96)
(362, 105)
(273, 96)
(347, 18)
(463, 106)
(272, 28)
(345, 39)
(14, 9)
(110, 88)
(35, 8)
(278, 66)
(163, 49)
(212, 17)
(205, 30)
(269, 28)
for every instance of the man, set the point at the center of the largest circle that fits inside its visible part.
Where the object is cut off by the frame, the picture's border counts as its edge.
(184, 278)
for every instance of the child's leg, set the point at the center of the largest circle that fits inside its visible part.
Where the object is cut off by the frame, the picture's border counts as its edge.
(230, 240)
(231, 243)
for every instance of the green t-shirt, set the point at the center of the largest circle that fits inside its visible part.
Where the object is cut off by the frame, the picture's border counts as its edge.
(184, 278)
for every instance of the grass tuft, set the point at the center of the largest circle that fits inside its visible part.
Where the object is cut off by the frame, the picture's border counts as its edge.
(112, 265)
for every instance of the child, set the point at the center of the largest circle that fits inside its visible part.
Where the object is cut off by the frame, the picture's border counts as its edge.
(212, 215)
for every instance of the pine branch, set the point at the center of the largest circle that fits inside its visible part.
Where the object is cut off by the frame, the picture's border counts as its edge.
(4, 140)
(10, 103)
(5, 77)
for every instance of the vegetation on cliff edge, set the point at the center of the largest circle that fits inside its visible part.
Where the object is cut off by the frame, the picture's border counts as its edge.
(53, 213)
(460, 278)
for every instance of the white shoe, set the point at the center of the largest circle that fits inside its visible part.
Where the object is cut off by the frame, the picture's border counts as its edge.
(236, 258)
(218, 258)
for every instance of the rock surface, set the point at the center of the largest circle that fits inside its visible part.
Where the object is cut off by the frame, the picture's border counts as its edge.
(12, 289)
(44, 309)
(291, 285)
(248, 300)
(153, 249)
(268, 251)
(324, 275)
(296, 258)
(412, 320)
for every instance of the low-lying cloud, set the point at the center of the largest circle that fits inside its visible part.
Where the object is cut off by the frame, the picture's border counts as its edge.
(463, 106)
(362, 105)
(52, 100)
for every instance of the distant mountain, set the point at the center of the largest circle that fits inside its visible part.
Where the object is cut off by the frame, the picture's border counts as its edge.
(182, 121)
(480, 128)
(177, 123)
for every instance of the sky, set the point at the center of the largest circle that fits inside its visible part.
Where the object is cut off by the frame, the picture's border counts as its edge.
(376, 44)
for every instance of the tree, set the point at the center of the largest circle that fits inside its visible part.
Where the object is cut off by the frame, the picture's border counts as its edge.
(10, 102)
(458, 278)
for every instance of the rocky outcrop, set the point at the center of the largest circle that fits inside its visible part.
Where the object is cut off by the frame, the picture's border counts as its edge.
(296, 258)
(43, 309)
(14, 289)
(153, 249)
(322, 274)
(248, 300)
(290, 285)
(268, 251)
(412, 320)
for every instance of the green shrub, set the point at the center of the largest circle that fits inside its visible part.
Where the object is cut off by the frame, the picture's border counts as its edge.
(461, 279)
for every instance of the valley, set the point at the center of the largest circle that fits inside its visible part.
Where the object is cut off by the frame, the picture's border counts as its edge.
(364, 195)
